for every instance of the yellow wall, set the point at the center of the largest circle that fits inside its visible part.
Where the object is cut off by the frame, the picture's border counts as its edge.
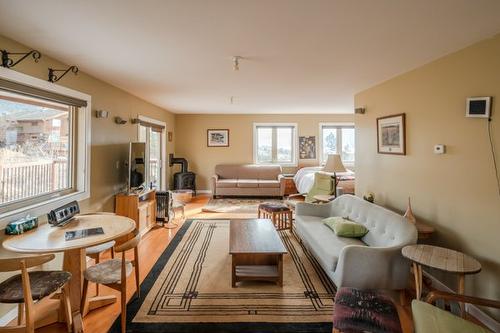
(455, 192)
(191, 139)
(109, 140)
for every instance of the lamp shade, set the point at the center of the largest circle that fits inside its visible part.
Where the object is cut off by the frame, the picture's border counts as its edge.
(334, 164)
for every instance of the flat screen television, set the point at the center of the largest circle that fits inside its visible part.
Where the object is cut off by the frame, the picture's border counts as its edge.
(136, 165)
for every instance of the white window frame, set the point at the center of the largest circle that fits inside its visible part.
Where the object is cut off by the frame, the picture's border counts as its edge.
(339, 141)
(295, 144)
(163, 172)
(82, 150)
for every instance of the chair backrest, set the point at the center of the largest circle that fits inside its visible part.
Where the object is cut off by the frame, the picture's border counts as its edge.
(386, 228)
(324, 184)
(15, 264)
(248, 171)
(129, 244)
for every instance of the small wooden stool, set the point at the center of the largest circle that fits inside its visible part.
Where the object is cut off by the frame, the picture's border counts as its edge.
(279, 214)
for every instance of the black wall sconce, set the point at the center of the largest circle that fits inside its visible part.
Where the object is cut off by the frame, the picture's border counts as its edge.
(7, 62)
(120, 121)
(54, 78)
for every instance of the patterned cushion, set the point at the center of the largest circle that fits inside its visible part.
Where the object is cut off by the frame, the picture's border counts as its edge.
(43, 283)
(107, 272)
(99, 248)
(364, 310)
(273, 207)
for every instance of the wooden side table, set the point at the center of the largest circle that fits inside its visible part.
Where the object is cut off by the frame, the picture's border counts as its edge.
(443, 259)
(290, 185)
(425, 231)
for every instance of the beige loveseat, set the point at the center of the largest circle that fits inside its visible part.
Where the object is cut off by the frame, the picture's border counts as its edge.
(248, 180)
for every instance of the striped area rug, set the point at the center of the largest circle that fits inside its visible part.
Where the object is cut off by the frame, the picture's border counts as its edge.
(190, 289)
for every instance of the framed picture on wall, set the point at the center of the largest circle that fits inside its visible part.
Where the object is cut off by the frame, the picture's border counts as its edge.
(218, 138)
(391, 134)
(307, 147)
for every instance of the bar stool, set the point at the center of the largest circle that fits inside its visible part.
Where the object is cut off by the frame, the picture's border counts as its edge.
(27, 287)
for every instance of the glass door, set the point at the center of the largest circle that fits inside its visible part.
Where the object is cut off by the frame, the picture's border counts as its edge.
(153, 137)
(155, 157)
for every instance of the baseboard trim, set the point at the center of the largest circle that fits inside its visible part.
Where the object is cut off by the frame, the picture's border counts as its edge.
(204, 191)
(479, 314)
(8, 317)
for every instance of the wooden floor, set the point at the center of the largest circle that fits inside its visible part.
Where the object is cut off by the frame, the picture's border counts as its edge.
(151, 247)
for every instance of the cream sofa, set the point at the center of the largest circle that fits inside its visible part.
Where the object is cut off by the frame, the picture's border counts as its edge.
(372, 262)
(247, 180)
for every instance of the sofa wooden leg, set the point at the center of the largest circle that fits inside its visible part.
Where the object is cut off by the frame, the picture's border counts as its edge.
(402, 297)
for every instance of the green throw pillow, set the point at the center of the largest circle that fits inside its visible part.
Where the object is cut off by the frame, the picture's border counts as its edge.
(344, 227)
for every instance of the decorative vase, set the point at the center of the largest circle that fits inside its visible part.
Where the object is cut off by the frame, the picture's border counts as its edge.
(409, 213)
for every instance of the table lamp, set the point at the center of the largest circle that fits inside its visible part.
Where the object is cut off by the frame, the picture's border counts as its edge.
(333, 165)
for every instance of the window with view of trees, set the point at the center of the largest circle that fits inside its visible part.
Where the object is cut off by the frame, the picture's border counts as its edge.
(337, 139)
(275, 144)
(36, 143)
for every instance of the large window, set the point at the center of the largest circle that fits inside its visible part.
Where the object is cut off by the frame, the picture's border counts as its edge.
(44, 145)
(35, 147)
(275, 144)
(337, 139)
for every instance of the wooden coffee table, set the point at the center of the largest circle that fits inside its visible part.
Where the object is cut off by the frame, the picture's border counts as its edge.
(256, 250)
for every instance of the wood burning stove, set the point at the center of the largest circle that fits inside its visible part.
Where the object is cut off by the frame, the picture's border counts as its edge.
(183, 180)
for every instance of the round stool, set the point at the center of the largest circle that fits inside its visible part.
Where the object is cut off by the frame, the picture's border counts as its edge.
(278, 213)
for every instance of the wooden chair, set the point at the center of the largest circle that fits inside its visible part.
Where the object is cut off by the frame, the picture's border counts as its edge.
(113, 273)
(94, 252)
(428, 318)
(25, 288)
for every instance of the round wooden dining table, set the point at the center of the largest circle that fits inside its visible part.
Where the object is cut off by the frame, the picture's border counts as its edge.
(49, 239)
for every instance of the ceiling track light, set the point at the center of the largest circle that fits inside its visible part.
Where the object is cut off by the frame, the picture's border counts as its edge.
(236, 62)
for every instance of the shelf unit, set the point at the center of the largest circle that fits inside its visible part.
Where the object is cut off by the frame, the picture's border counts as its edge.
(140, 207)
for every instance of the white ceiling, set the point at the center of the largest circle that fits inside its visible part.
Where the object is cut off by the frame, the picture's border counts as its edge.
(301, 56)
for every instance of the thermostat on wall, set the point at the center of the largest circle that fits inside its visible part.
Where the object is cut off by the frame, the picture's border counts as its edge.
(478, 107)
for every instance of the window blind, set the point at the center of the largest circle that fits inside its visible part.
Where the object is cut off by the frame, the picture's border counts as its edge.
(22, 89)
(154, 127)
